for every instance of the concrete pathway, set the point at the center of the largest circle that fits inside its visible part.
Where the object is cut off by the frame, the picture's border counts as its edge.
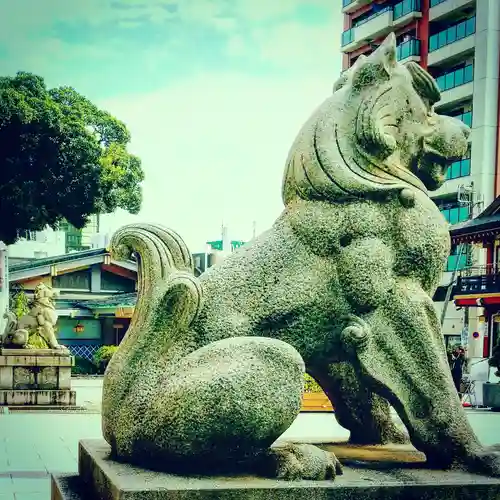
(33, 445)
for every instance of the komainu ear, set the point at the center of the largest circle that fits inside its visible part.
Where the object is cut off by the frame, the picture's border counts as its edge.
(378, 66)
(344, 77)
(385, 55)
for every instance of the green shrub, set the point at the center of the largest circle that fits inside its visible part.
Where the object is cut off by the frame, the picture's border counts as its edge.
(104, 354)
(311, 385)
(83, 367)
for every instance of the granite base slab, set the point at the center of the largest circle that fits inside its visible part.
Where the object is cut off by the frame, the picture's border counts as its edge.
(52, 398)
(101, 478)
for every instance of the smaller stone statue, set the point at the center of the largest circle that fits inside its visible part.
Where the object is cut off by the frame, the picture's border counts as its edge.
(39, 321)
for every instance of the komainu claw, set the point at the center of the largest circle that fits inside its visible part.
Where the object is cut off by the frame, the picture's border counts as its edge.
(291, 462)
(356, 332)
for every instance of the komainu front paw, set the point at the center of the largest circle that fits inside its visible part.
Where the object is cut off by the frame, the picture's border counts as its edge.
(301, 461)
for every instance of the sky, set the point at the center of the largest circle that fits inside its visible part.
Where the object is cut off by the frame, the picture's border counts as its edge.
(212, 91)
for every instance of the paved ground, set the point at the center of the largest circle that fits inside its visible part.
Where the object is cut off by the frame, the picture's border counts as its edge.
(33, 445)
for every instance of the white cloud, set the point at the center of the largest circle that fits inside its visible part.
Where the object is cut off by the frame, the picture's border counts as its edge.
(213, 148)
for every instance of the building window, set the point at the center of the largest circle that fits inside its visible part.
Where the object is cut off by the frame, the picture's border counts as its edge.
(78, 280)
(371, 14)
(433, 3)
(455, 214)
(456, 261)
(460, 168)
(455, 78)
(452, 34)
(406, 7)
(347, 37)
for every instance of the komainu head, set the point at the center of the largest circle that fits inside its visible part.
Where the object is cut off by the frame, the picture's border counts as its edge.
(44, 295)
(377, 133)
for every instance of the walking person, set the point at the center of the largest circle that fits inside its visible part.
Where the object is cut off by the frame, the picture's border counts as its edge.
(457, 362)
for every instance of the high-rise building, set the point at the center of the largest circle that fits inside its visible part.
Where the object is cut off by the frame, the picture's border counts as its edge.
(458, 43)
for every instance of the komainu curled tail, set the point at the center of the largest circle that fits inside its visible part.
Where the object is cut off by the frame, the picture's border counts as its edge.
(168, 300)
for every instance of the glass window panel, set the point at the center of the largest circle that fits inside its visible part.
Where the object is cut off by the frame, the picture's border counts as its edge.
(460, 31)
(450, 80)
(398, 11)
(468, 73)
(451, 34)
(433, 43)
(447, 176)
(470, 27)
(455, 169)
(452, 262)
(459, 77)
(441, 39)
(462, 264)
(463, 213)
(453, 216)
(441, 82)
(465, 170)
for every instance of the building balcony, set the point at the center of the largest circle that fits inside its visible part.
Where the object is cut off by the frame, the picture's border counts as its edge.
(456, 86)
(380, 24)
(349, 6)
(406, 11)
(452, 43)
(440, 9)
(409, 50)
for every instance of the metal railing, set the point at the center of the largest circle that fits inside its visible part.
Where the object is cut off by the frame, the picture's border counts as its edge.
(408, 49)
(452, 34)
(456, 78)
(406, 7)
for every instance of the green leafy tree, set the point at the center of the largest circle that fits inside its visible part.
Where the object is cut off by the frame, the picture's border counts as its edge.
(60, 158)
(20, 303)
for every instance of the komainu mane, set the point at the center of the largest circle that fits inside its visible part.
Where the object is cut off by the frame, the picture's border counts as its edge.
(210, 372)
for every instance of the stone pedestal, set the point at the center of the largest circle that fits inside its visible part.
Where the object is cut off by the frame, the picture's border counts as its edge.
(374, 478)
(40, 377)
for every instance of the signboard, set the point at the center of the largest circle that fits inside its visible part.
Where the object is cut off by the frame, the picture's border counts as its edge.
(215, 245)
(219, 244)
(236, 244)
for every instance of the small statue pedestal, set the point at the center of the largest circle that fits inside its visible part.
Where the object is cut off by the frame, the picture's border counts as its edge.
(102, 478)
(36, 377)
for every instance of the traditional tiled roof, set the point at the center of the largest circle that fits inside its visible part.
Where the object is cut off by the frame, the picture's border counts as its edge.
(477, 225)
(118, 300)
(21, 266)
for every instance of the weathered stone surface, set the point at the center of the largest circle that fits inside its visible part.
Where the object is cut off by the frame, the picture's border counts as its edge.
(101, 478)
(345, 276)
(37, 397)
(44, 370)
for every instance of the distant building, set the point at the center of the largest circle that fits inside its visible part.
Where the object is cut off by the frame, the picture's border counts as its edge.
(458, 43)
(37, 245)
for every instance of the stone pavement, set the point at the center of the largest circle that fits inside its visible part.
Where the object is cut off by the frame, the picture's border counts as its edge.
(35, 444)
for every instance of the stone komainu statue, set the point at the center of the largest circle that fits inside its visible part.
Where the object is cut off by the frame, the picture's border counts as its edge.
(40, 321)
(210, 372)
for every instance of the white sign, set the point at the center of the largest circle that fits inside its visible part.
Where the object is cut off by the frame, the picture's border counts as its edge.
(464, 340)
